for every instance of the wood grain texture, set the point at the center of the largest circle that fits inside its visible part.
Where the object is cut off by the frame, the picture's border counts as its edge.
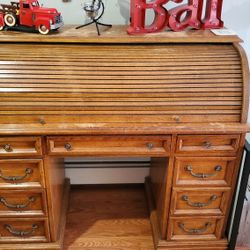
(114, 218)
(119, 95)
(56, 245)
(55, 180)
(190, 201)
(206, 166)
(21, 203)
(121, 128)
(20, 147)
(84, 83)
(18, 168)
(117, 34)
(109, 145)
(246, 81)
(161, 244)
(208, 144)
(39, 234)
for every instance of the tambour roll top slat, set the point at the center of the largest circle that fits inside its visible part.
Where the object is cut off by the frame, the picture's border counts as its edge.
(130, 83)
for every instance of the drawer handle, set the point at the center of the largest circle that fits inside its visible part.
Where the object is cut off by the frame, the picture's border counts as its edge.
(21, 233)
(68, 146)
(207, 144)
(194, 231)
(28, 171)
(199, 204)
(17, 206)
(7, 148)
(189, 168)
(150, 145)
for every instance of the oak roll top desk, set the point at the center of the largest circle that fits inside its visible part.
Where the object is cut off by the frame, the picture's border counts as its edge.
(179, 98)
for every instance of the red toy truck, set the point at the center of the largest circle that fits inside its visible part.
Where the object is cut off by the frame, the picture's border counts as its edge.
(28, 13)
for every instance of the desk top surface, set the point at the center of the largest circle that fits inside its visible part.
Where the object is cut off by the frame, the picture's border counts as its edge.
(117, 34)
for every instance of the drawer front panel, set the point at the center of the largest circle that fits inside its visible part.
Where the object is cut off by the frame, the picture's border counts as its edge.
(190, 201)
(21, 173)
(23, 230)
(204, 171)
(108, 145)
(207, 144)
(22, 203)
(20, 146)
(196, 228)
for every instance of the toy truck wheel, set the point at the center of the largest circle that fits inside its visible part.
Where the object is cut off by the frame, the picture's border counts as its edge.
(1, 27)
(43, 29)
(10, 20)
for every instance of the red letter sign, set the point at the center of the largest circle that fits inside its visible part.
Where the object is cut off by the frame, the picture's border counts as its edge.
(192, 18)
(213, 15)
(138, 10)
(178, 18)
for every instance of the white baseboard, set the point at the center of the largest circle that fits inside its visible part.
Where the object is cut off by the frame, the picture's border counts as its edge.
(107, 175)
(106, 170)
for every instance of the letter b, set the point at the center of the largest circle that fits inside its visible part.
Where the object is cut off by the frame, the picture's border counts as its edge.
(138, 12)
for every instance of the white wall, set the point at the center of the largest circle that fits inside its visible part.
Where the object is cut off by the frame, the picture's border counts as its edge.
(236, 15)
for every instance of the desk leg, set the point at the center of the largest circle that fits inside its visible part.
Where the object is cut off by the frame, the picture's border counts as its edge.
(56, 186)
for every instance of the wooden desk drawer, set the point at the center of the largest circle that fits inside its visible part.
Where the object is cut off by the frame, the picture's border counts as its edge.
(109, 145)
(23, 230)
(207, 144)
(21, 173)
(22, 203)
(20, 146)
(192, 201)
(195, 228)
(204, 171)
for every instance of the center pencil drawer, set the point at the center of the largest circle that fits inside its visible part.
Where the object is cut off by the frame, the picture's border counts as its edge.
(109, 145)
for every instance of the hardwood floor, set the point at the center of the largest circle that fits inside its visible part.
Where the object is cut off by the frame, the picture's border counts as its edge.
(109, 218)
(101, 218)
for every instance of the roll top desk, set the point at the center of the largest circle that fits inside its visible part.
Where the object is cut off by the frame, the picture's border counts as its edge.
(179, 98)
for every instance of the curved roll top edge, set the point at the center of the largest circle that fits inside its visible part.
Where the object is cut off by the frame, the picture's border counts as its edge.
(246, 81)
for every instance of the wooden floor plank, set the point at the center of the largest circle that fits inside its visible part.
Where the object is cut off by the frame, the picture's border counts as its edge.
(113, 218)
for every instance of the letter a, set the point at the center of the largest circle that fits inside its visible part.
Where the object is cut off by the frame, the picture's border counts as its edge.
(138, 11)
(193, 10)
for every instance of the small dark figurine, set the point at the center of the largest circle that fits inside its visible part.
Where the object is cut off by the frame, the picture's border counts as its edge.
(29, 15)
(92, 9)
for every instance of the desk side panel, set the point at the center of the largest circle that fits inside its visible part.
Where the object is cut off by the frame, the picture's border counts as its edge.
(55, 179)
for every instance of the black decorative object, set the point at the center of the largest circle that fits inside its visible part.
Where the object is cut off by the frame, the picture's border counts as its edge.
(92, 9)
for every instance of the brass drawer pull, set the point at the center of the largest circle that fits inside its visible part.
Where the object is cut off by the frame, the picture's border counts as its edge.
(198, 204)
(194, 231)
(189, 168)
(17, 206)
(20, 232)
(150, 145)
(68, 146)
(28, 171)
(207, 144)
(7, 148)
